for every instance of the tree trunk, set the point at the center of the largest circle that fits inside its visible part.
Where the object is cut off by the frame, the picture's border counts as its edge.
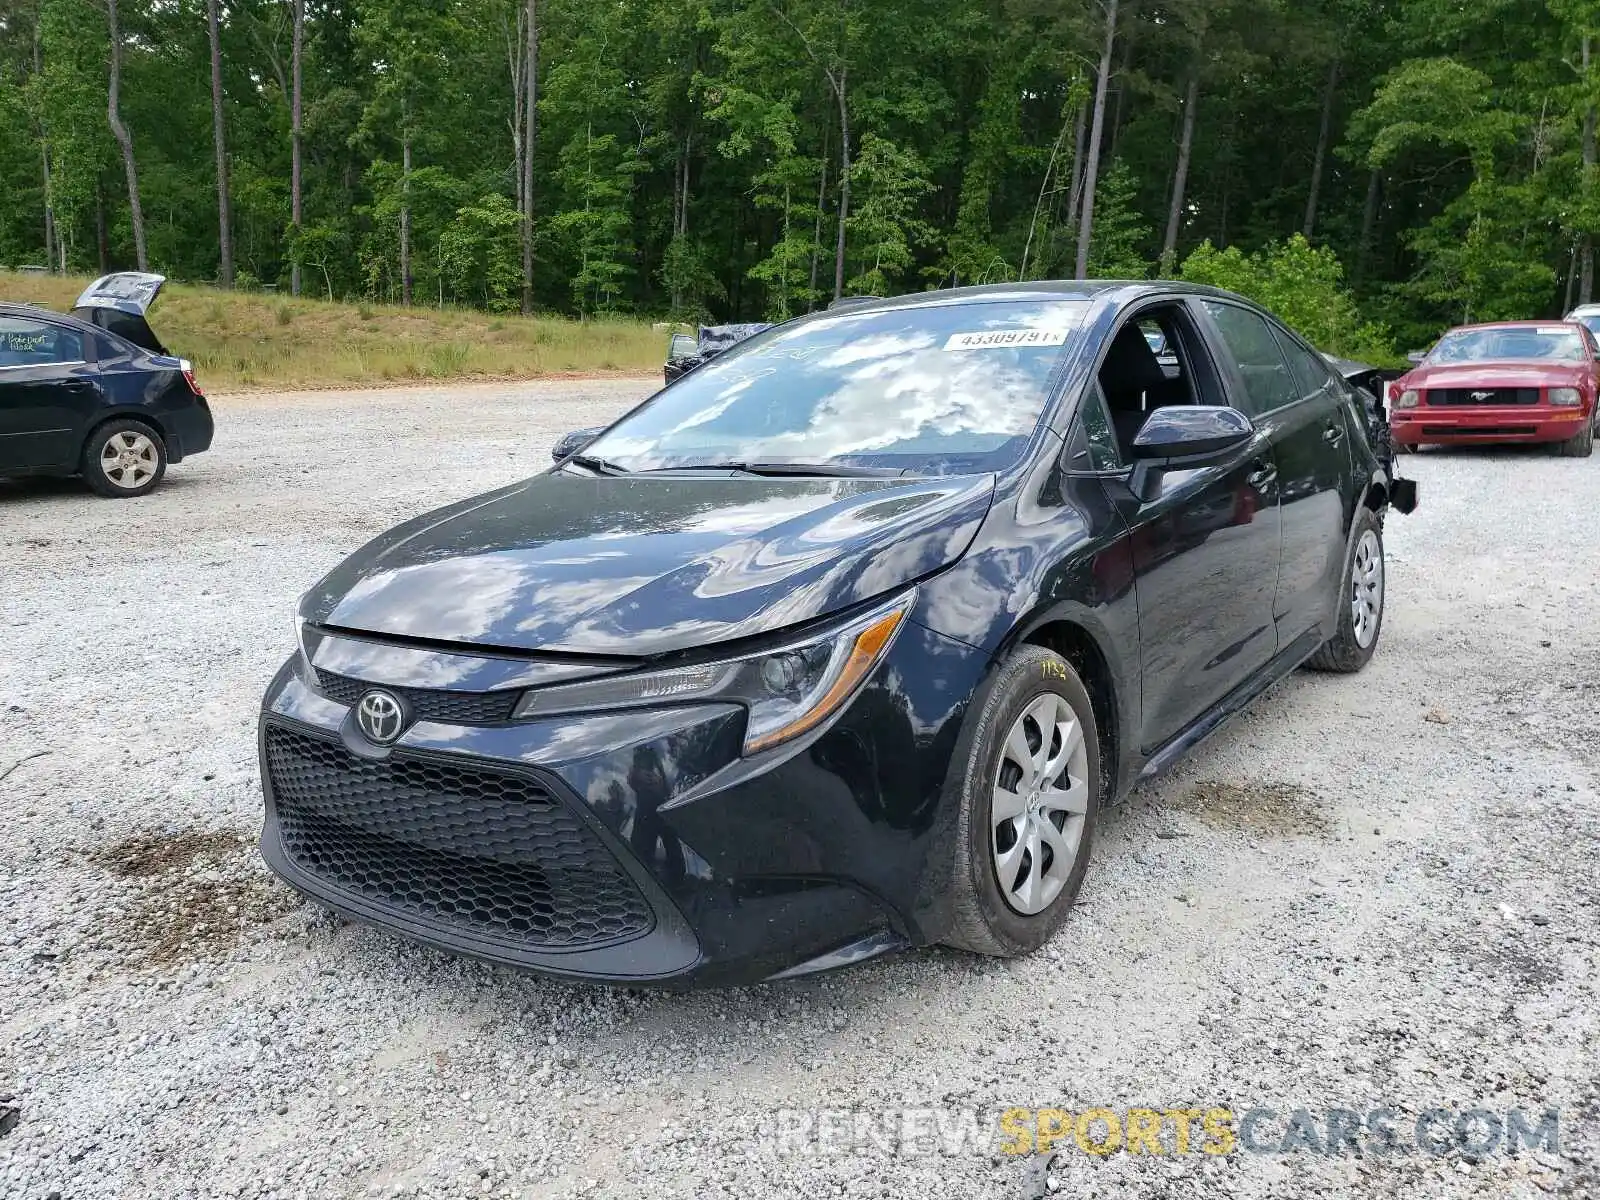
(816, 239)
(1324, 132)
(1119, 96)
(298, 41)
(220, 140)
(1091, 171)
(1080, 130)
(1586, 251)
(1191, 101)
(1369, 221)
(124, 138)
(44, 155)
(405, 219)
(844, 181)
(102, 243)
(1572, 278)
(530, 139)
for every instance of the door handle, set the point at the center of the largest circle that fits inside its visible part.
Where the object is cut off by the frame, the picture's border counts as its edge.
(1333, 435)
(1262, 477)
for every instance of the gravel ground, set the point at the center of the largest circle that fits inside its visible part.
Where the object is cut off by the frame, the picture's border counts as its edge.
(1369, 892)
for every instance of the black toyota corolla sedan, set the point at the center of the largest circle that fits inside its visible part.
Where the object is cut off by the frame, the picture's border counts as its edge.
(96, 394)
(835, 646)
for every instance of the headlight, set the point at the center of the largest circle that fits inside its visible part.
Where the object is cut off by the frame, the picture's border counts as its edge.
(1566, 397)
(788, 690)
(301, 657)
(1407, 399)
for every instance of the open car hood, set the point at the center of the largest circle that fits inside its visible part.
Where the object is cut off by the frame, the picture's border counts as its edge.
(118, 302)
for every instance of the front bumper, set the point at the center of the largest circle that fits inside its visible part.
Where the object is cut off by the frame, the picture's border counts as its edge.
(633, 847)
(1448, 424)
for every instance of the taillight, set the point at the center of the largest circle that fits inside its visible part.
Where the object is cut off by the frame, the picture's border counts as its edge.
(188, 375)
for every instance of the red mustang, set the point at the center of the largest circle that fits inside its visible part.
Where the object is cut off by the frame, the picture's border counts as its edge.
(1515, 381)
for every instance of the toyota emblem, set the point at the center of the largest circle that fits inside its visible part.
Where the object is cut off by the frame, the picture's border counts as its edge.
(381, 717)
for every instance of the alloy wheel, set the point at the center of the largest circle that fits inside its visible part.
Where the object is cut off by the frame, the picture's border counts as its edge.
(1041, 798)
(128, 459)
(1366, 589)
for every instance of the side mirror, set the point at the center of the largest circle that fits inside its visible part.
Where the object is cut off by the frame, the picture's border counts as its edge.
(569, 444)
(1181, 431)
(1416, 356)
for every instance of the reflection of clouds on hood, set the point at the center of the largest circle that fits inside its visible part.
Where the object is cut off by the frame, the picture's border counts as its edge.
(467, 596)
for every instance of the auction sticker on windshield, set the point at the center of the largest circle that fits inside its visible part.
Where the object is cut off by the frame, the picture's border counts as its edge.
(1001, 339)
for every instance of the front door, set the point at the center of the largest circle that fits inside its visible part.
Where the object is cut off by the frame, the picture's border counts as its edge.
(45, 386)
(1205, 540)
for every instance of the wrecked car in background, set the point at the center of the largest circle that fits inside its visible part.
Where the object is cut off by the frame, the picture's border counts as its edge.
(687, 352)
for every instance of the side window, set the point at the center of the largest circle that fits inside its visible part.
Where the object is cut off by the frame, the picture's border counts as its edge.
(29, 343)
(1097, 431)
(1268, 384)
(1310, 373)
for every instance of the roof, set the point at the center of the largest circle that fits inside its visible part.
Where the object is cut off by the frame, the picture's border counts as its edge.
(1117, 290)
(1511, 325)
(49, 314)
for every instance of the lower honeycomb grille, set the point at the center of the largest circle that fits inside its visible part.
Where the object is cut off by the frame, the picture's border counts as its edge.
(486, 853)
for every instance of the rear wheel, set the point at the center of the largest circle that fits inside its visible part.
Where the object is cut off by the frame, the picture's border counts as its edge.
(1578, 446)
(124, 458)
(1360, 602)
(1029, 793)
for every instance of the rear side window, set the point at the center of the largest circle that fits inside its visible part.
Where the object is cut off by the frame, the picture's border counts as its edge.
(1267, 382)
(1310, 372)
(28, 343)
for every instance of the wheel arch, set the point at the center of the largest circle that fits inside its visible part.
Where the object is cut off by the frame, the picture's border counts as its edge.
(1073, 641)
(123, 413)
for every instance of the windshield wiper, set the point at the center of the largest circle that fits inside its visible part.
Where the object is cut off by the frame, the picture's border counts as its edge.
(599, 466)
(842, 470)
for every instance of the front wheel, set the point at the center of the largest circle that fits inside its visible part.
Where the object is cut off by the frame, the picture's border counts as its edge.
(124, 458)
(1029, 794)
(1360, 602)
(1580, 445)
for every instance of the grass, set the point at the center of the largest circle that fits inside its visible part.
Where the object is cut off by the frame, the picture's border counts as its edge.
(247, 340)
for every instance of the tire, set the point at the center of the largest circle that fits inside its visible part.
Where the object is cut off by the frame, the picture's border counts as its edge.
(990, 913)
(124, 458)
(1352, 646)
(1579, 445)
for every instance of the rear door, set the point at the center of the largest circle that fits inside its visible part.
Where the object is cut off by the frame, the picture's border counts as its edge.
(1296, 406)
(47, 388)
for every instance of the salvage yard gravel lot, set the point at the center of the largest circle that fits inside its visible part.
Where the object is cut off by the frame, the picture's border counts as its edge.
(1370, 891)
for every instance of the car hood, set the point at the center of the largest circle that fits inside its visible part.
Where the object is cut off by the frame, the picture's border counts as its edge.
(639, 566)
(1495, 375)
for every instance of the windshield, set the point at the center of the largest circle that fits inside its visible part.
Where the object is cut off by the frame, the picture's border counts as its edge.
(1559, 343)
(1590, 320)
(934, 389)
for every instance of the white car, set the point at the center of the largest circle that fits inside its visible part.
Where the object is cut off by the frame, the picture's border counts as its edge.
(1586, 314)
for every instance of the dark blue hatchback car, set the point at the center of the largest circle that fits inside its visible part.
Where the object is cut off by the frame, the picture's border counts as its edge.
(837, 645)
(95, 393)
